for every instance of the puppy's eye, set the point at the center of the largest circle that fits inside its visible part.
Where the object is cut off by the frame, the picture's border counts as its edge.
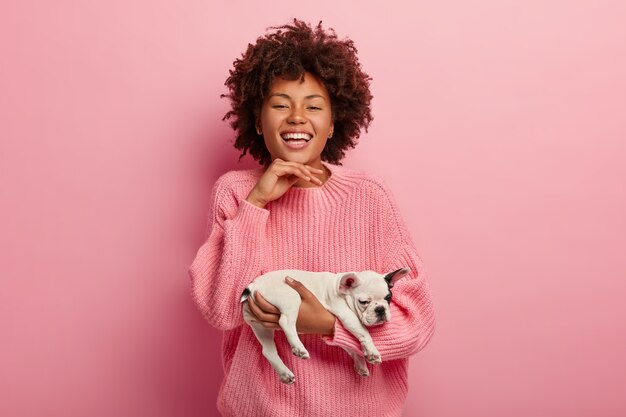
(364, 303)
(388, 297)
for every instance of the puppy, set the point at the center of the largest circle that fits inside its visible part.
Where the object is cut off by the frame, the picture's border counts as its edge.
(356, 299)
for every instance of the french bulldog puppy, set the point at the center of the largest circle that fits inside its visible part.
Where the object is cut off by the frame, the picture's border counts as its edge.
(357, 299)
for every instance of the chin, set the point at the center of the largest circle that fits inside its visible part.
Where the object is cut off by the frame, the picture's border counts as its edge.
(303, 159)
(369, 323)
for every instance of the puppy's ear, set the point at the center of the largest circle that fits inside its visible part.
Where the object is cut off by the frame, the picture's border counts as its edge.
(392, 277)
(347, 282)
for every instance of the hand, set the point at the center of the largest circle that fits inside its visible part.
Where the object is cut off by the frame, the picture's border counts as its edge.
(278, 178)
(312, 316)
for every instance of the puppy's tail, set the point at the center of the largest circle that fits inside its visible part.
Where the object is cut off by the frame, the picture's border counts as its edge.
(245, 294)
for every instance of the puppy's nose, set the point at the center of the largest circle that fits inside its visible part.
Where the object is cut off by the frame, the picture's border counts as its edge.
(379, 310)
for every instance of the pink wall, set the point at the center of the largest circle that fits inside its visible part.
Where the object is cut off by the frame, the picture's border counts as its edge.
(499, 125)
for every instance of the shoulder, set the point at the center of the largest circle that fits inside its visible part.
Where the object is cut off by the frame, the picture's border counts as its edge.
(372, 192)
(230, 188)
(364, 182)
(235, 182)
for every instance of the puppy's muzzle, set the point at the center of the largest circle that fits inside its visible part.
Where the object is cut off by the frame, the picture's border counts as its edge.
(380, 313)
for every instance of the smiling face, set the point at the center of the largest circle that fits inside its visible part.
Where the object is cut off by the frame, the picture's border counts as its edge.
(296, 120)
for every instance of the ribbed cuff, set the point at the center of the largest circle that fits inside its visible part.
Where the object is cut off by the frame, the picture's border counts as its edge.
(250, 215)
(343, 338)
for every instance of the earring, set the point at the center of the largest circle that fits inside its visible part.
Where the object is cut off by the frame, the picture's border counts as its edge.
(258, 131)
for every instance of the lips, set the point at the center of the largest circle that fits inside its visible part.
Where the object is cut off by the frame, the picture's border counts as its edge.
(287, 136)
(296, 140)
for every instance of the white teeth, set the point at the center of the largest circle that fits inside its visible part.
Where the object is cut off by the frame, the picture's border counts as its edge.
(304, 136)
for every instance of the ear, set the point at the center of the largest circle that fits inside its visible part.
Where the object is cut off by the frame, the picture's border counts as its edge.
(392, 277)
(348, 282)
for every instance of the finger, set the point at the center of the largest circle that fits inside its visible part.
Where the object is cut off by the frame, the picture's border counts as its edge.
(302, 167)
(305, 171)
(284, 170)
(260, 314)
(320, 171)
(297, 285)
(311, 169)
(264, 304)
(315, 173)
(311, 172)
(306, 174)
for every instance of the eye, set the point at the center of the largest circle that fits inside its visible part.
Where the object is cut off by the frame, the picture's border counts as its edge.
(364, 302)
(388, 297)
(279, 106)
(315, 108)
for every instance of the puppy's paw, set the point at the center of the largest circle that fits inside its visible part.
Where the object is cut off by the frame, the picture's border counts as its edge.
(301, 352)
(373, 356)
(287, 377)
(375, 359)
(361, 370)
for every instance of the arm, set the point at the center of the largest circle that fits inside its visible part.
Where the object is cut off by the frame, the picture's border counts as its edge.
(312, 316)
(231, 257)
(234, 253)
(412, 319)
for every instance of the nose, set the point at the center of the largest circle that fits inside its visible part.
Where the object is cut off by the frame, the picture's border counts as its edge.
(296, 116)
(379, 310)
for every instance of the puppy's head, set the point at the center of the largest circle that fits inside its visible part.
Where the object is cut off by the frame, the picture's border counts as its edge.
(368, 294)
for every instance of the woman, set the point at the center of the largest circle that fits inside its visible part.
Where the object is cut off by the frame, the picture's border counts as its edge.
(300, 98)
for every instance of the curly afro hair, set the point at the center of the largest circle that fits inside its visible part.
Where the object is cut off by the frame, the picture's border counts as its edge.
(289, 52)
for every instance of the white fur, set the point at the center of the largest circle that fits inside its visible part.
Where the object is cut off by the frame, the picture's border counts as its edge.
(342, 294)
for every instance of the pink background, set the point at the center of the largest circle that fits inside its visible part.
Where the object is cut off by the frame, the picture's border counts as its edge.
(499, 125)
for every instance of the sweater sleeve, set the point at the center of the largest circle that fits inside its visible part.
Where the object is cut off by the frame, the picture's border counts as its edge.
(412, 317)
(230, 258)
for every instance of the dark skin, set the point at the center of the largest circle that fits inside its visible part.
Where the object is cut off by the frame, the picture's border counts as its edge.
(305, 107)
(312, 316)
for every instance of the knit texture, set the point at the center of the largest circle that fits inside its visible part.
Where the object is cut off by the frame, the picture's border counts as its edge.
(351, 223)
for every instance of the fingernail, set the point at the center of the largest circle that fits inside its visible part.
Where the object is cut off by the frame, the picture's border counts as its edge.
(289, 280)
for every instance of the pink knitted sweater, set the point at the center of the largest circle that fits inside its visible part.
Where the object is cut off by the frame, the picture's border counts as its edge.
(351, 223)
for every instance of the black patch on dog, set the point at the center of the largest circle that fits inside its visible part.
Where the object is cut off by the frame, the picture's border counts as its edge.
(388, 297)
(389, 276)
(245, 294)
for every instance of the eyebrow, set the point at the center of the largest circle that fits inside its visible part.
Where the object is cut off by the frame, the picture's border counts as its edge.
(283, 95)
